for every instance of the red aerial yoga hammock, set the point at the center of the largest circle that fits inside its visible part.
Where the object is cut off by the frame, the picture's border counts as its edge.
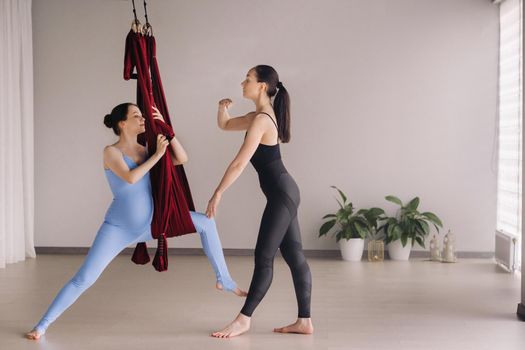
(171, 192)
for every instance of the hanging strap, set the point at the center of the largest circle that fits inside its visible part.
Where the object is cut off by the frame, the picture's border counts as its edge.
(136, 27)
(146, 13)
(148, 29)
(135, 12)
(136, 22)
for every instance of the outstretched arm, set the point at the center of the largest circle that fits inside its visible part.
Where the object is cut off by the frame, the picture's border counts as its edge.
(236, 167)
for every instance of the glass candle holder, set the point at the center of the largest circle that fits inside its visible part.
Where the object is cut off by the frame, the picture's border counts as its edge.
(376, 251)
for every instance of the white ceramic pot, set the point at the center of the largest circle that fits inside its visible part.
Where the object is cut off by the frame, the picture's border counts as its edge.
(352, 249)
(396, 251)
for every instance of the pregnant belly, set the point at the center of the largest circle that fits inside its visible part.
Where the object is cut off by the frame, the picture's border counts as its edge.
(131, 213)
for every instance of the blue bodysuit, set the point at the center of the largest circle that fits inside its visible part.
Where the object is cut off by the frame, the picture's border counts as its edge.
(127, 222)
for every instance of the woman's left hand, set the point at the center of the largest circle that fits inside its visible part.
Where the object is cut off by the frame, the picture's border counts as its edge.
(211, 211)
(156, 114)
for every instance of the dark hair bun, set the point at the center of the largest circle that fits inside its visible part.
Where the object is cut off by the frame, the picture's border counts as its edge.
(108, 121)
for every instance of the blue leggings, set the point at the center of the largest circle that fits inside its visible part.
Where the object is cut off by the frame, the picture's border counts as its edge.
(109, 242)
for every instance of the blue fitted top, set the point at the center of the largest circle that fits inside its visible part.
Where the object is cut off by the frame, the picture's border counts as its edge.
(132, 205)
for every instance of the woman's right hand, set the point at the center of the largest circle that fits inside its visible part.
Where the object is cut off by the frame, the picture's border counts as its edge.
(162, 144)
(225, 103)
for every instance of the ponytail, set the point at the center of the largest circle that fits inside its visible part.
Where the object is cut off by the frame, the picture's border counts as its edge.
(281, 103)
(281, 107)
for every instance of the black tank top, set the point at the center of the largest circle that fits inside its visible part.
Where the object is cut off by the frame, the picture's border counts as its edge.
(265, 154)
(268, 163)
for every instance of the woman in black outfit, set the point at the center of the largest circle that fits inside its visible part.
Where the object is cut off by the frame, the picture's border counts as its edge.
(279, 226)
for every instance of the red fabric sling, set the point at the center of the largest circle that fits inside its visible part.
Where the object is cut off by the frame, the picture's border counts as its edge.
(171, 192)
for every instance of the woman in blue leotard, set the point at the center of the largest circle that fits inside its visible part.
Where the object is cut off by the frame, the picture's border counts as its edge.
(129, 216)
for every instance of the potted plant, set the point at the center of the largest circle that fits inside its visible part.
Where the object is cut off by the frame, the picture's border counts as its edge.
(351, 228)
(407, 227)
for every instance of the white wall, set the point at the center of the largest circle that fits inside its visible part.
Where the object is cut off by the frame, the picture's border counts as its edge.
(388, 97)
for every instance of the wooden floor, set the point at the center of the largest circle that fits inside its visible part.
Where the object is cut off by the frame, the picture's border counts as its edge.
(390, 305)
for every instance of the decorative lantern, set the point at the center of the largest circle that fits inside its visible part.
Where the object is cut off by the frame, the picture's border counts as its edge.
(449, 248)
(435, 251)
(376, 250)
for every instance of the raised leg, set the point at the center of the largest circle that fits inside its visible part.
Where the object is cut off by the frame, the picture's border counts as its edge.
(212, 247)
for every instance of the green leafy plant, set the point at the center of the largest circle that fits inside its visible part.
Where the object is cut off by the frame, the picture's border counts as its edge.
(409, 223)
(373, 216)
(349, 223)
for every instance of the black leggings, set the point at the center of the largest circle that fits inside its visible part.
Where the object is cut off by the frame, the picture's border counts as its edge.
(280, 229)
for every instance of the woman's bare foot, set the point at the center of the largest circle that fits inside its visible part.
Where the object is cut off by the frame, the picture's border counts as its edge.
(33, 334)
(240, 325)
(237, 291)
(301, 326)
